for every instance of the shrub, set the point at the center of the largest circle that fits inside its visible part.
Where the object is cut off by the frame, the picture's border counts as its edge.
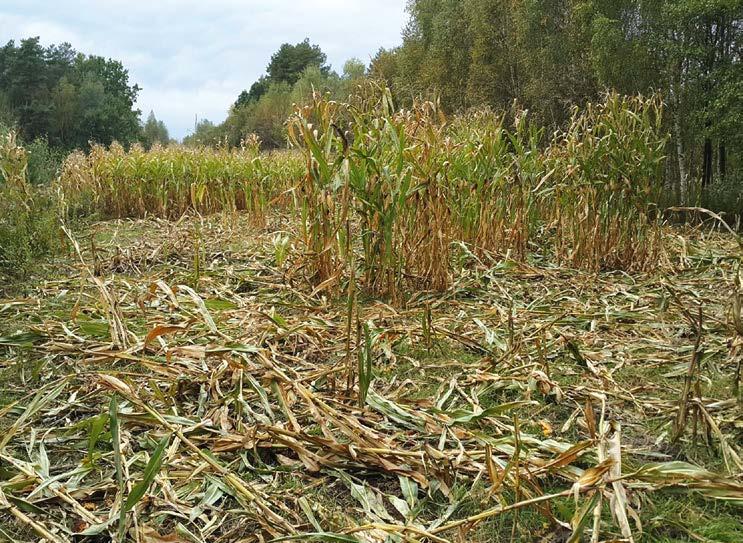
(28, 220)
(725, 196)
(44, 162)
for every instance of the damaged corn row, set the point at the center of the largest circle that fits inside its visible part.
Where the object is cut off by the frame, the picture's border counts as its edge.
(407, 186)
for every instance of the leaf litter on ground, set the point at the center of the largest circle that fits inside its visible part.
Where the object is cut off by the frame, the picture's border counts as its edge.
(221, 408)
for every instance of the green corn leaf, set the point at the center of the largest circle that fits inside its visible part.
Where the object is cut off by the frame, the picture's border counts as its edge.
(464, 416)
(150, 471)
(113, 416)
(325, 537)
(96, 428)
(582, 516)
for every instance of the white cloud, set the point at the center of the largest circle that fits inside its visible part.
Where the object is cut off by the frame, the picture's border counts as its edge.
(194, 57)
(207, 102)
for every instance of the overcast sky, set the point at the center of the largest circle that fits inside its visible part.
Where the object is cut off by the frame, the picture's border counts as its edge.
(193, 57)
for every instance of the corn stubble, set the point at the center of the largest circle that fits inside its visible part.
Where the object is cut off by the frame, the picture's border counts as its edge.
(244, 409)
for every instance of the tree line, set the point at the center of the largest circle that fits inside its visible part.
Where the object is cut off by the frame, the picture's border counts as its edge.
(544, 55)
(549, 55)
(67, 99)
(293, 72)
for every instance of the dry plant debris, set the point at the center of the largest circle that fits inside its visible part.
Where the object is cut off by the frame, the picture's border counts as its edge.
(187, 382)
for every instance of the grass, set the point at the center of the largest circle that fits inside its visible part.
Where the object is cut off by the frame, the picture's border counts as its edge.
(675, 520)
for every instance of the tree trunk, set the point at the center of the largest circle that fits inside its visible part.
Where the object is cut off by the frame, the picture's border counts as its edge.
(722, 160)
(707, 163)
(681, 156)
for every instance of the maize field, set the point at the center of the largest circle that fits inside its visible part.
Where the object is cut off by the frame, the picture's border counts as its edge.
(169, 182)
(407, 327)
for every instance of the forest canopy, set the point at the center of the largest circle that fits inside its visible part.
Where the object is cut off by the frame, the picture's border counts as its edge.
(66, 97)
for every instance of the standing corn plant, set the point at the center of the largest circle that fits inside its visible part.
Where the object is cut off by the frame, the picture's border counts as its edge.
(170, 181)
(609, 164)
(401, 187)
(324, 187)
(380, 178)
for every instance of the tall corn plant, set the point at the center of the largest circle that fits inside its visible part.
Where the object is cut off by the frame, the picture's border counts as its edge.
(324, 187)
(13, 164)
(610, 166)
(480, 168)
(427, 222)
(398, 180)
(381, 183)
(380, 178)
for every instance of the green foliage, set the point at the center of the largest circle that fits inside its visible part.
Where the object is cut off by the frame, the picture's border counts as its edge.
(44, 162)
(384, 66)
(295, 72)
(67, 97)
(154, 131)
(7, 117)
(257, 90)
(206, 134)
(266, 117)
(150, 472)
(354, 69)
(287, 66)
(725, 195)
(290, 61)
(28, 220)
